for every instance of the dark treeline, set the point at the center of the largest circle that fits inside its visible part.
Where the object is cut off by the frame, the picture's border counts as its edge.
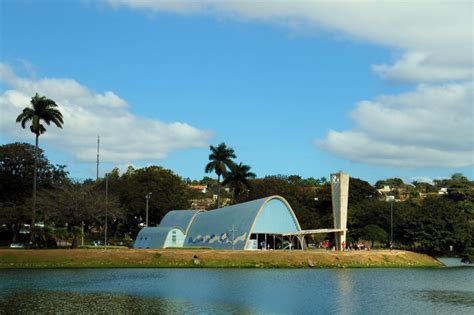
(434, 218)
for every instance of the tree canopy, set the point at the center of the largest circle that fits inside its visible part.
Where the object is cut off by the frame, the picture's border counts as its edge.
(220, 162)
(42, 109)
(238, 179)
(428, 221)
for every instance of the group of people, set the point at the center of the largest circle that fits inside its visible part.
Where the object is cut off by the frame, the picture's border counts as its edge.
(264, 245)
(268, 246)
(352, 246)
(323, 244)
(359, 246)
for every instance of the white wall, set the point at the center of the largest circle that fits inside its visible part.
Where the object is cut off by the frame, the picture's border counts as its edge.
(175, 238)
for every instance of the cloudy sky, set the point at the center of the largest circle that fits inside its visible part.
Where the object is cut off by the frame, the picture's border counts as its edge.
(377, 89)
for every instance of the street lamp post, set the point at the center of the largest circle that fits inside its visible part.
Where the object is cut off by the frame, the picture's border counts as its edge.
(82, 236)
(147, 197)
(391, 222)
(106, 204)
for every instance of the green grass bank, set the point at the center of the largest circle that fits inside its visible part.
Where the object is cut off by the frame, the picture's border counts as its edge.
(203, 258)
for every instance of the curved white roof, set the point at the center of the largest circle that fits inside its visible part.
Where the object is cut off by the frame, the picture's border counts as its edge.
(220, 228)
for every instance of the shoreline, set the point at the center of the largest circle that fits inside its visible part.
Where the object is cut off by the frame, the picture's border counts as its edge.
(205, 258)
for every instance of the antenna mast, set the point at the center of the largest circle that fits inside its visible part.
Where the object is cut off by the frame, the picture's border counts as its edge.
(97, 174)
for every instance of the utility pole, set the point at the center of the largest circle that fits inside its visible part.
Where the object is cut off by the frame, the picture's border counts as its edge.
(97, 172)
(391, 222)
(82, 236)
(147, 197)
(106, 204)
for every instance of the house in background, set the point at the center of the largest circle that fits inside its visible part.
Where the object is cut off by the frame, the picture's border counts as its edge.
(443, 191)
(201, 188)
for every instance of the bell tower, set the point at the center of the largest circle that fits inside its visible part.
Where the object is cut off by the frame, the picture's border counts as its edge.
(340, 198)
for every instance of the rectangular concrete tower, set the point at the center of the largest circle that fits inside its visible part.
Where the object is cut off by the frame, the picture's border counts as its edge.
(340, 199)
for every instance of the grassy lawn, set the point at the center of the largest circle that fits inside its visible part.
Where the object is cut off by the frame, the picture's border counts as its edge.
(199, 258)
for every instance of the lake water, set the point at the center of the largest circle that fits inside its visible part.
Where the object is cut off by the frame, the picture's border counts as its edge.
(232, 291)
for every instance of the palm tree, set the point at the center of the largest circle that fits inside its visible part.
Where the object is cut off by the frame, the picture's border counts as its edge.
(238, 178)
(220, 159)
(43, 109)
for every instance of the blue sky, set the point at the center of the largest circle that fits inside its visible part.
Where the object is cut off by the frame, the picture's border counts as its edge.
(305, 92)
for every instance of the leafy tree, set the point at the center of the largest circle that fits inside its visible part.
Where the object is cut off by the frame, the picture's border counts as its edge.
(312, 182)
(43, 109)
(406, 223)
(359, 190)
(442, 223)
(206, 180)
(238, 178)
(76, 232)
(295, 179)
(17, 168)
(459, 177)
(365, 212)
(128, 173)
(423, 187)
(12, 217)
(43, 236)
(74, 203)
(61, 234)
(373, 233)
(169, 192)
(220, 160)
(460, 188)
(16, 171)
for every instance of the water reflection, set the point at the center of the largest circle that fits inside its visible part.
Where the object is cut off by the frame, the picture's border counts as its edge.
(233, 291)
(345, 296)
(447, 297)
(27, 302)
(453, 262)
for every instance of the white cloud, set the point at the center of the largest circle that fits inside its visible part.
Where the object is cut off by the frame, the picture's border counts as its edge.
(417, 67)
(125, 137)
(431, 126)
(436, 37)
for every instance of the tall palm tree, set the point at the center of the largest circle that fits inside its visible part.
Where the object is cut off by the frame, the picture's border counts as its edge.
(238, 178)
(42, 109)
(220, 159)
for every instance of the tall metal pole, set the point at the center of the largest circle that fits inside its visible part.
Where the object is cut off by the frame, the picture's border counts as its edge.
(147, 197)
(106, 204)
(391, 223)
(146, 221)
(97, 172)
(82, 237)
